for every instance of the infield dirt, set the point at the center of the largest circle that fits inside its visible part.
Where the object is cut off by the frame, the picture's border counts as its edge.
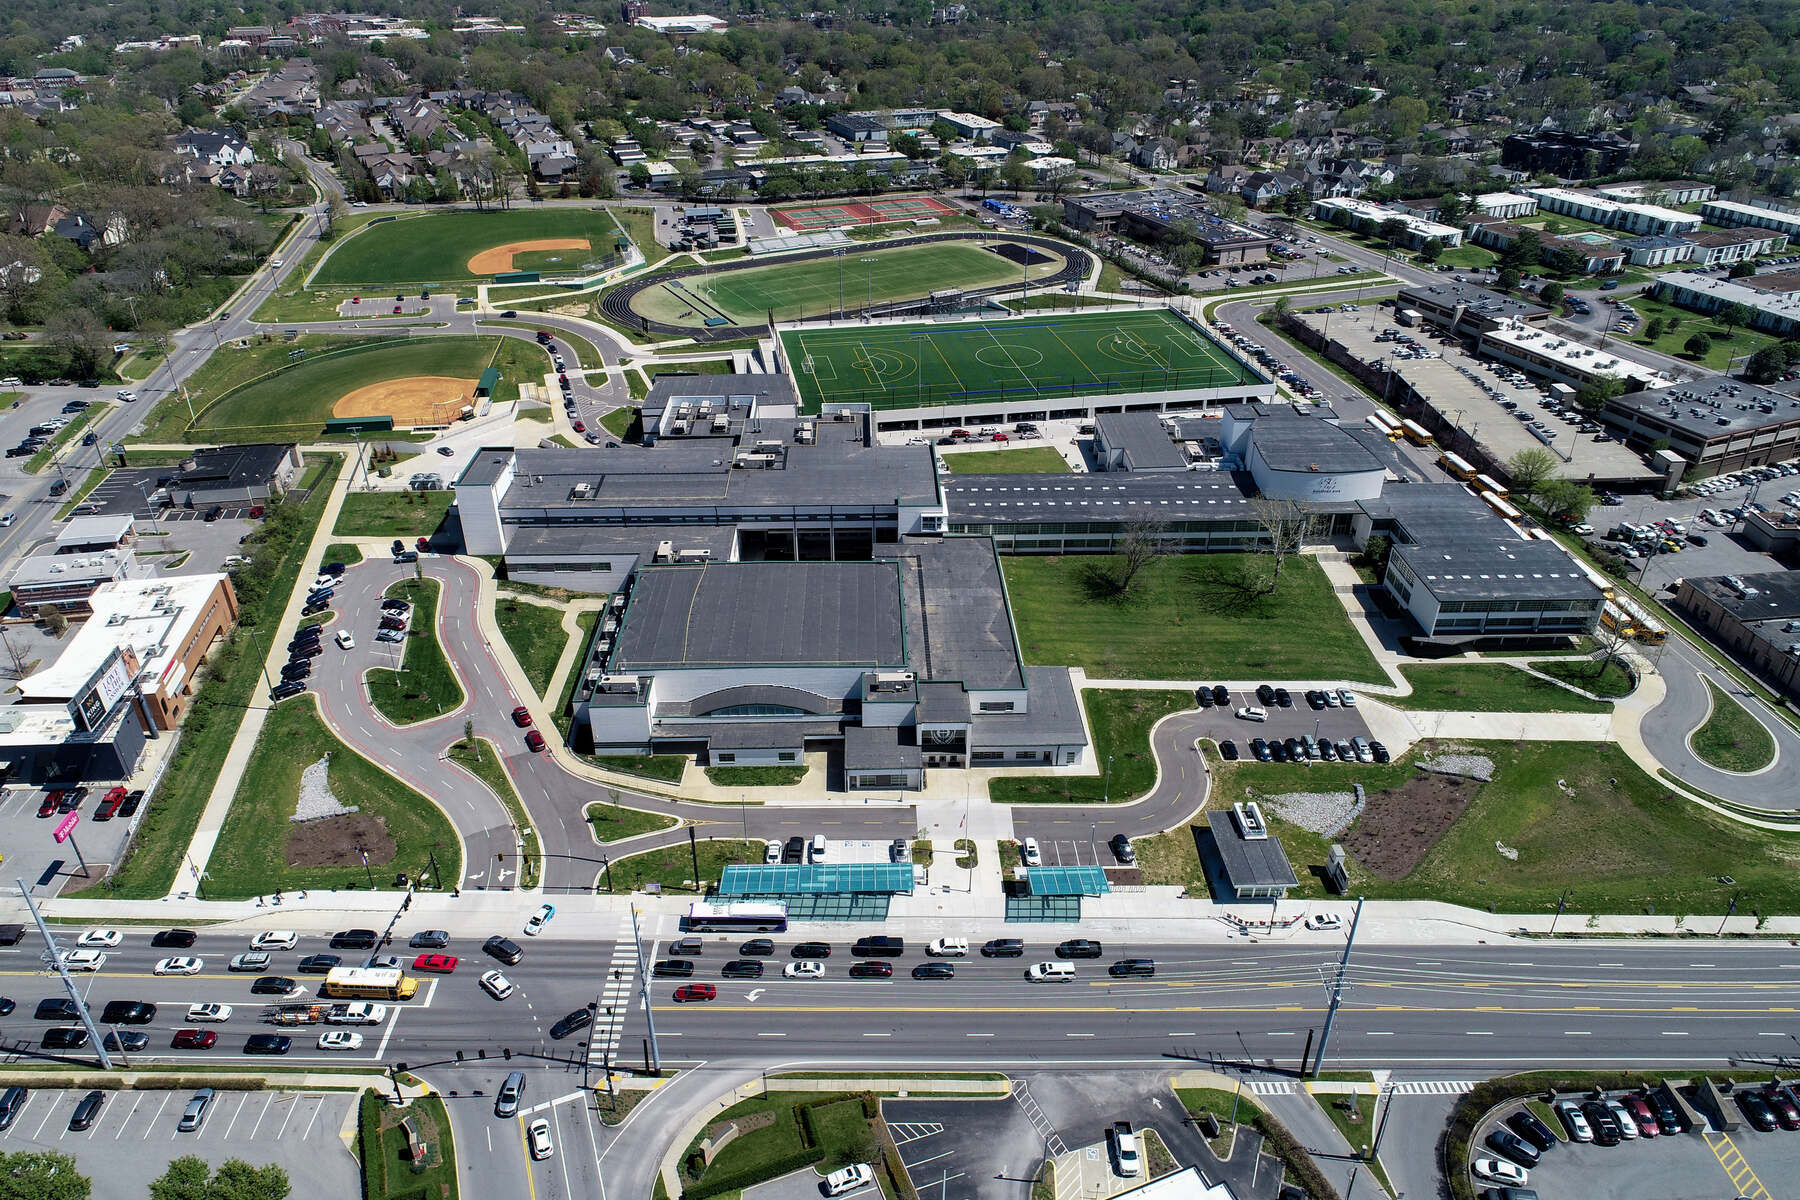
(414, 400)
(498, 259)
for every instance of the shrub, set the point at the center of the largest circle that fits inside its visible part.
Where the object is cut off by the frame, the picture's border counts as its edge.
(738, 1180)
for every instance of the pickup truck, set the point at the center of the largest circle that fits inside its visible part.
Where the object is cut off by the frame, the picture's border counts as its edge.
(1126, 1159)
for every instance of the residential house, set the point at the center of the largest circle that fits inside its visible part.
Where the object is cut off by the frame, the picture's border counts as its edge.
(221, 148)
(1262, 188)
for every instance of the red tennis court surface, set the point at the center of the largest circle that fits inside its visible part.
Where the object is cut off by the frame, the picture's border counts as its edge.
(862, 212)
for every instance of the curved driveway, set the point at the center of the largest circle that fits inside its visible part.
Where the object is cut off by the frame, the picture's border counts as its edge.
(1666, 727)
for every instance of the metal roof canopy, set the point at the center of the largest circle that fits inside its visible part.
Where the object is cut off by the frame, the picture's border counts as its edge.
(1066, 881)
(817, 879)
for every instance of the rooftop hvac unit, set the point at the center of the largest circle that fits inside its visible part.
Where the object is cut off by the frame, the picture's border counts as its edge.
(593, 679)
(693, 555)
(619, 685)
(581, 491)
(678, 428)
(1250, 821)
(804, 434)
(665, 550)
(721, 423)
(891, 681)
(769, 445)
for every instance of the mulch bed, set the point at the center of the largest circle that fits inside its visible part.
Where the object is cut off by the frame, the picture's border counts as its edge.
(1401, 825)
(340, 841)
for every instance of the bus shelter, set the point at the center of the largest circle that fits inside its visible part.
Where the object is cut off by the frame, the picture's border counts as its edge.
(1053, 894)
(821, 891)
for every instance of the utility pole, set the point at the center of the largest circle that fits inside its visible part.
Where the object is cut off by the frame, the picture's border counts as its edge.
(643, 974)
(1561, 902)
(1107, 795)
(1337, 991)
(52, 958)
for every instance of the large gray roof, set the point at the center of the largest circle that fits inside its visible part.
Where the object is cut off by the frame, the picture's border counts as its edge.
(763, 614)
(1712, 408)
(1115, 496)
(957, 624)
(1460, 550)
(1054, 719)
(1288, 441)
(1142, 438)
(1259, 863)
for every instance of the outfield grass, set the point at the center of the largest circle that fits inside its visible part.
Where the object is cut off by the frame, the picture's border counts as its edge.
(424, 685)
(1732, 739)
(1487, 687)
(810, 288)
(1190, 616)
(250, 858)
(483, 761)
(615, 823)
(1121, 722)
(535, 633)
(403, 515)
(436, 247)
(298, 397)
(1030, 460)
(673, 866)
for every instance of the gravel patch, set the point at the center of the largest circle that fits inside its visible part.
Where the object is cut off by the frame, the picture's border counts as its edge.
(1323, 813)
(316, 801)
(1469, 766)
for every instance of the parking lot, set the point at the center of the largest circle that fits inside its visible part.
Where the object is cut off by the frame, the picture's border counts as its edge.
(967, 1149)
(1725, 552)
(135, 1137)
(35, 855)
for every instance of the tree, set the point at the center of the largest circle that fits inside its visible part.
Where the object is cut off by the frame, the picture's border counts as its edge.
(1766, 365)
(640, 175)
(1745, 268)
(1732, 315)
(1508, 279)
(1294, 202)
(190, 1178)
(1141, 542)
(1375, 553)
(1566, 500)
(1551, 293)
(1432, 250)
(1593, 396)
(1653, 329)
(186, 1179)
(53, 619)
(1285, 522)
(42, 1175)
(1452, 208)
(1697, 345)
(1391, 230)
(1528, 469)
(81, 337)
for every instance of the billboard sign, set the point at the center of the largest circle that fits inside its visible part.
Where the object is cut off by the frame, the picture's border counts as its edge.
(66, 826)
(98, 697)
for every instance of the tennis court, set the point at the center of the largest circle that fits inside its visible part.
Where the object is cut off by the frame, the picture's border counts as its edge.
(883, 211)
(906, 366)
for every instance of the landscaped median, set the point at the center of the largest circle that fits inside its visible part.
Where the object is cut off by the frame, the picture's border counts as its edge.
(1499, 687)
(1235, 1108)
(535, 634)
(616, 823)
(407, 1153)
(672, 867)
(422, 686)
(1731, 739)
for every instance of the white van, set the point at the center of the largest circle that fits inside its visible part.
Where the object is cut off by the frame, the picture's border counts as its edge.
(816, 852)
(1051, 972)
(948, 948)
(1028, 852)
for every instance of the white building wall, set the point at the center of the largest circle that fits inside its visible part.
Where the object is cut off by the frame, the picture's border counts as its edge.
(479, 508)
(1314, 486)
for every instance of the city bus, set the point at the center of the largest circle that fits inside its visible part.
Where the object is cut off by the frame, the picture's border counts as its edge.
(1383, 424)
(1456, 465)
(1500, 506)
(755, 917)
(1486, 483)
(368, 983)
(1415, 433)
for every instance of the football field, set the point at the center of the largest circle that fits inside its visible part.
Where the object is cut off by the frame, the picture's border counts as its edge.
(1049, 356)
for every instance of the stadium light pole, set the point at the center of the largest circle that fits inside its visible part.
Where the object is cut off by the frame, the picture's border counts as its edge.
(868, 261)
(839, 255)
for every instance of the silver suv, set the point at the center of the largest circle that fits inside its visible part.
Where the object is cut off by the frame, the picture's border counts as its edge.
(194, 1115)
(506, 1104)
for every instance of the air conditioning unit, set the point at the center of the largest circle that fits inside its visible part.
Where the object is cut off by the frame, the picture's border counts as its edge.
(1250, 821)
(619, 685)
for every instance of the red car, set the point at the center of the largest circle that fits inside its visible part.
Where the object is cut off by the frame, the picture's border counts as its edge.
(422, 545)
(534, 741)
(396, 310)
(48, 807)
(1001, 437)
(109, 805)
(356, 299)
(437, 964)
(959, 433)
(1646, 1120)
(695, 991)
(580, 428)
(1787, 1113)
(194, 1039)
(522, 717)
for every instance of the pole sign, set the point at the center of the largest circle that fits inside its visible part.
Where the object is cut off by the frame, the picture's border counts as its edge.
(66, 826)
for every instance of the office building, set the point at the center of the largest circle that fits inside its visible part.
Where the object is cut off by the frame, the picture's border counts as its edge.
(68, 581)
(1463, 308)
(1756, 618)
(1716, 424)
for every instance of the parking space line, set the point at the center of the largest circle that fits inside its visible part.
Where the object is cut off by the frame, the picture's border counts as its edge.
(49, 1108)
(237, 1112)
(314, 1119)
(136, 1100)
(150, 1126)
(259, 1117)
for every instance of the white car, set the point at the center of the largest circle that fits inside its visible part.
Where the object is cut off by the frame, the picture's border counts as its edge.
(496, 985)
(275, 939)
(538, 1133)
(805, 968)
(254, 960)
(1324, 921)
(344, 640)
(1028, 852)
(325, 583)
(1251, 712)
(209, 1012)
(126, 396)
(1628, 1126)
(1574, 1120)
(848, 1179)
(83, 960)
(107, 938)
(535, 924)
(182, 964)
(1348, 697)
(360, 1013)
(772, 852)
(340, 1039)
(1498, 1170)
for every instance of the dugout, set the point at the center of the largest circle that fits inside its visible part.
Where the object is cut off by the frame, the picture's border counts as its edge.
(484, 387)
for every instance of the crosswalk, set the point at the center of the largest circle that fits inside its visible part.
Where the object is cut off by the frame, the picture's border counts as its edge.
(621, 979)
(1409, 1087)
(1270, 1087)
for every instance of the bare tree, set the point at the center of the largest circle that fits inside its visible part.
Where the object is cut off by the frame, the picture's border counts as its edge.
(1285, 522)
(1142, 541)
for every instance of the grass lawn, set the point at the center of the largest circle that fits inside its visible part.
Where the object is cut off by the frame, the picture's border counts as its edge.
(396, 825)
(231, 679)
(1484, 687)
(535, 633)
(1616, 838)
(388, 1175)
(618, 422)
(483, 761)
(1358, 1127)
(1189, 616)
(62, 438)
(341, 552)
(423, 686)
(1612, 679)
(1222, 1105)
(437, 247)
(665, 767)
(756, 776)
(403, 515)
(1467, 256)
(1732, 739)
(1726, 345)
(1121, 724)
(1032, 460)
(640, 226)
(561, 714)
(673, 866)
(295, 397)
(615, 823)
(93, 480)
(838, 1124)
(519, 361)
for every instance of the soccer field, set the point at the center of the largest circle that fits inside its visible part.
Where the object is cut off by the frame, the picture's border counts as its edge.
(905, 366)
(812, 287)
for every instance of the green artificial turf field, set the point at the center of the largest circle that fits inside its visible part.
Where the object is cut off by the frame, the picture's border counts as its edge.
(903, 366)
(437, 247)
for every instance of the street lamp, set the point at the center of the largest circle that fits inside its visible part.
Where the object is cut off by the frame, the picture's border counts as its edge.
(1107, 796)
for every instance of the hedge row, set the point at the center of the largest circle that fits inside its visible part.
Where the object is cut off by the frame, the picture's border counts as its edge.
(1455, 1145)
(139, 1083)
(368, 1145)
(714, 1185)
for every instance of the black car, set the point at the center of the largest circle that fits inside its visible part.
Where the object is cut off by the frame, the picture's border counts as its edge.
(1259, 748)
(811, 950)
(1283, 698)
(672, 968)
(1004, 948)
(308, 649)
(1526, 1124)
(576, 1021)
(1278, 751)
(1133, 966)
(65, 1037)
(1203, 697)
(741, 968)
(334, 569)
(88, 1110)
(127, 1012)
(1604, 1124)
(1315, 699)
(272, 985)
(1080, 948)
(174, 939)
(1265, 695)
(1379, 751)
(1668, 1117)
(1228, 750)
(761, 946)
(1121, 848)
(429, 939)
(934, 971)
(1510, 1145)
(293, 672)
(879, 945)
(354, 939)
(129, 1042)
(59, 1009)
(318, 964)
(871, 970)
(313, 609)
(1221, 695)
(12, 1102)
(286, 688)
(268, 1043)
(7, 1006)
(794, 850)
(504, 949)
(1756, 1111)
(395, 604)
